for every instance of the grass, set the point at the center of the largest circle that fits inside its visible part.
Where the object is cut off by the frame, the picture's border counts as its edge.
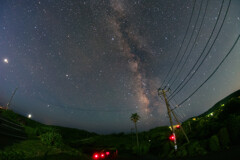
(34, 149)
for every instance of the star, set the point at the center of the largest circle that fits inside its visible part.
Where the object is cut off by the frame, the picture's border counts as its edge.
(113, 56)
(5, 60)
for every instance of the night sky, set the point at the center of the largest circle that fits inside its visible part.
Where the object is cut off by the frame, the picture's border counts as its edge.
(91, 64)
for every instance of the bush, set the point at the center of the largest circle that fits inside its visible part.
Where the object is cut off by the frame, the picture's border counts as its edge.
(234, 128)
(12, 155)
(182, 152)
(232, 107)
(52, 139)
(141, 150)
(42, 130)
(195, 148)
(214, 143)
(224, 137)
(165, 150)
(38, 131)
(31, 132)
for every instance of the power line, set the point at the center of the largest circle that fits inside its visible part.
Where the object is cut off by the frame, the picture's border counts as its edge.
(211, 74)
(200, 28)
(184, 37)
(189, 41)
(178, 114)
(175, 103)
(190, 71)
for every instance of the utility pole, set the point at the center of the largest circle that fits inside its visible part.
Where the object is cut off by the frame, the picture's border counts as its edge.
(176, 119)
(163, 92)
(8, 104)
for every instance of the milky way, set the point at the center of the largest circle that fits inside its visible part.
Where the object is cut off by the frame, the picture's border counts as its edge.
(136, 51)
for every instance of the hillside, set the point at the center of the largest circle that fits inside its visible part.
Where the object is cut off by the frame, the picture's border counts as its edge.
(23, 137)
(221, 102)
(211, 134)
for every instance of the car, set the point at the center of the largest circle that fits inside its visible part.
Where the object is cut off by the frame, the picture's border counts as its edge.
(105, 154)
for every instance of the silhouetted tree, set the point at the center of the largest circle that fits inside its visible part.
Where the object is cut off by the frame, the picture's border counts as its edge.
(135, 117)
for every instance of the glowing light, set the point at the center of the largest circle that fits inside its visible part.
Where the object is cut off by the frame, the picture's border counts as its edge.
(211, 114)
(171, 137)
(96, 156)
(107, 153)
(29, 116)
(194, 119)
(5, 60)
(102, 155)
(178, 126)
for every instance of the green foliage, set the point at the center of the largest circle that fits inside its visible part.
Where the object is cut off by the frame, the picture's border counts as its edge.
(214, 143)
(76, 134)
(223, 126)
(31, 132)
(202, 127)
(222, 102)
(134, 117)
(18, 119)
(12, 155)
(194, 149)
(159, 144)
(52, 139)
(182, 151)
(10, 115)
(44, 129)
(224, 137)
(38, 131)
(233, 125)
(158, 134)
(166, 148)
(232, 107)
(141, 150)
(35, 150)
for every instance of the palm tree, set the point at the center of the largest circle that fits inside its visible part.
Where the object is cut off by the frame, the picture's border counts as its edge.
(135, 117)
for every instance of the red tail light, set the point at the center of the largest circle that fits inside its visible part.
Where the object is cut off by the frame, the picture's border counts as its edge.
(107, 153)
(95, 156)
(102, 155)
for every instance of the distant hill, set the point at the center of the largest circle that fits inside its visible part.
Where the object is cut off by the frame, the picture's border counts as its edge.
(221, 102)
(33, 128)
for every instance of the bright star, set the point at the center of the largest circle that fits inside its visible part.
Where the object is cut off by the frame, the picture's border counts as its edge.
(5, 60)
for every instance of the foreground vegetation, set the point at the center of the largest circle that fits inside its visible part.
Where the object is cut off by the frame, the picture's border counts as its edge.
(42, 141)
(214, 131)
